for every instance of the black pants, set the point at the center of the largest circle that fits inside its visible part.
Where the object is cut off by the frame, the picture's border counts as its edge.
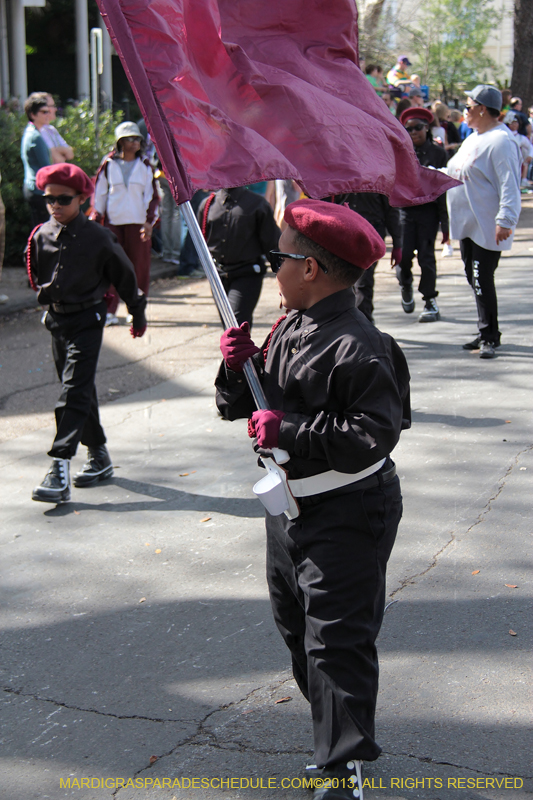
(364, 292)
(76, 342)
(480, 266)
(420, 235)
(243, 294)
(326, 577)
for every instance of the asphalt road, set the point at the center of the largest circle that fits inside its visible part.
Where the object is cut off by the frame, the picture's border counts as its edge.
(139, 653)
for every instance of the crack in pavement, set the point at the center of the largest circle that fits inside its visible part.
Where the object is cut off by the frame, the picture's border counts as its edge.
(487, 508)
(59, 704)
(429, 760)
(210, 737)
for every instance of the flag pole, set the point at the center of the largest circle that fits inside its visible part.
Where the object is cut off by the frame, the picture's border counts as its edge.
(226, 311)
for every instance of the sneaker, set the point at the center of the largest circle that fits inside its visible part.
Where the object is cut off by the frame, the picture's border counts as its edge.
(98, 467)
(486, 350)
(339, 783)
(111, 319)
(408, 303)
(55, 487)
(431, 311)
(475, 344)
(447, 250)
(196, 273)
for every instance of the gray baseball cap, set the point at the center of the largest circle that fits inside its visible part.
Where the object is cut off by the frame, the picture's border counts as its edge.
(486, 95)
(415, 92)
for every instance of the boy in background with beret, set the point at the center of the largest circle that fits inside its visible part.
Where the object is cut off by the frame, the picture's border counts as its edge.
(338, 391)
(71, 263)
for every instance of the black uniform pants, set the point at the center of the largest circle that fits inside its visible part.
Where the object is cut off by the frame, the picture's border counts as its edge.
(76, 342)
(326, 577)
(480, 266)
(243, 295)
(420, 235)
(364, 292)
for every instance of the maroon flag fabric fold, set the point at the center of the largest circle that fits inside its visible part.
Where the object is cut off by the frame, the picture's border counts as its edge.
(239, 91)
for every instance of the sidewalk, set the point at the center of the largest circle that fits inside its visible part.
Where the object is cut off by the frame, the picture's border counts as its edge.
(138, 639)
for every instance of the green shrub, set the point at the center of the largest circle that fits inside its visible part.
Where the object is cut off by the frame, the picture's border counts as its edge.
(77, 128)
(18, 223)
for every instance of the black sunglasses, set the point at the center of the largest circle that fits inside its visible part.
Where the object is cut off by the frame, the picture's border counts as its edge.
(277, 259)
(63, 199)
(419, 127)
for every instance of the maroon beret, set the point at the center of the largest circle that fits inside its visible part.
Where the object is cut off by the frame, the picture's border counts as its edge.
(65, 175)
(423, 114)
(337, 229)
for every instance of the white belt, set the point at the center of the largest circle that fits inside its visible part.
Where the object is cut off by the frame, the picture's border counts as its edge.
(325, 481)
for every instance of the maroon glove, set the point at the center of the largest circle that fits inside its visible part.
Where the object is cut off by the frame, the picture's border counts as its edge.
(445, 237)
(396, 256)
(264, 425)
(137, 332)
(237, 347)
(109, 298)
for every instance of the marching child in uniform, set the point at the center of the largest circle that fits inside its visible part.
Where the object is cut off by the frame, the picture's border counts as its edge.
(71, 263)
(338, 391)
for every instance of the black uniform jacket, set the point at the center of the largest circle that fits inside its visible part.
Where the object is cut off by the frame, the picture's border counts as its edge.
(430, 155)
(77, 263)
(240, 228)
(377, 210)
(343, 384)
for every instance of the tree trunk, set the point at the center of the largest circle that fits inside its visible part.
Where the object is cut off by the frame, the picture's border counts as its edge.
(522, 80)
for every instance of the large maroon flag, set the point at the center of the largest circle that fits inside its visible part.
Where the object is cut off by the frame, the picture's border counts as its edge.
(239, 91)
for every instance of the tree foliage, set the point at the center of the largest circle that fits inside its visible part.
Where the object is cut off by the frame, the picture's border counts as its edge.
(18, 223)
(377, 24)
(77, 128)
(448, 39)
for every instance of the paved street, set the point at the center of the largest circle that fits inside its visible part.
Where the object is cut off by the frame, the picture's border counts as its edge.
(139, 653)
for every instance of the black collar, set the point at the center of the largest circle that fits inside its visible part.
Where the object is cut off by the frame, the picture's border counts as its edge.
(73, 228)
(328, 308)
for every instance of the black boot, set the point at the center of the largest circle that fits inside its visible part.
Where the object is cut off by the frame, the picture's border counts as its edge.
(55, 487)
(341, 782)
(98, 467)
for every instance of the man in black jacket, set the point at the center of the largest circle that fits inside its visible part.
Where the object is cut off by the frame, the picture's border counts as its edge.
(240, 229)
(377, 210)
(421, 223)
(71, 263)
(338, 391)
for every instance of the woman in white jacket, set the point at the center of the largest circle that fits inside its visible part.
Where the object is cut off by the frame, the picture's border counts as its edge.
(484, 209)
(126, 200)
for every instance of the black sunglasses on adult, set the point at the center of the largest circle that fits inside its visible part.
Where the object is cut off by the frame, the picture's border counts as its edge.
(62, 199)
(276, 260)
(419, 127)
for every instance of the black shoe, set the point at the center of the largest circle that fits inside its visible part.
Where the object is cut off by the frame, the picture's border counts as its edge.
(98, 467)
(486, 350)
(476, 343)
(408, 303)
(342, 782)
(431, 311)
(55, 487)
